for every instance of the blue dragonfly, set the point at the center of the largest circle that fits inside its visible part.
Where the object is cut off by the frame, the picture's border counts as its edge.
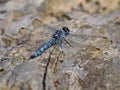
(57, 38)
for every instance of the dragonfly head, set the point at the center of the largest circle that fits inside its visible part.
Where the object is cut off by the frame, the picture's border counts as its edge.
(66, 30)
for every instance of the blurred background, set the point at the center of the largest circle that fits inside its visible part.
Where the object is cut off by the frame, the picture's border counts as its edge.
(19, 13)
(15, 14)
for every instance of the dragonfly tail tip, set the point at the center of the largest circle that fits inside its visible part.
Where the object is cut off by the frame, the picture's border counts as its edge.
(31, 57)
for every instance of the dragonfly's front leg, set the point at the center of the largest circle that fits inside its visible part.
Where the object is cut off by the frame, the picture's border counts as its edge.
(67, 42)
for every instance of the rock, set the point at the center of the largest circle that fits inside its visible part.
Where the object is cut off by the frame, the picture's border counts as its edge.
(92, 63)
(99, 6)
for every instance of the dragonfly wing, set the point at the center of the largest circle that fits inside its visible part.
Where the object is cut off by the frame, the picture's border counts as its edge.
(37, 23)
(48, 28)
(44, 31)
(24, 31)
(75, 39)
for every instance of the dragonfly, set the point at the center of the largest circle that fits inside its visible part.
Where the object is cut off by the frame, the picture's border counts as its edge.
(56, 35)
(57, 38)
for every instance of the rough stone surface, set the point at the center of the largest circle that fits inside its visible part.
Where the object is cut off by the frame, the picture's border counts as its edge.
(93, 63)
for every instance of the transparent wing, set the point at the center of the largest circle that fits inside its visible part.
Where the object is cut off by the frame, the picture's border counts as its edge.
(76, 39)
(45, 29)
(38, 23)
(45, 32)
(42, 33)
(24, 31)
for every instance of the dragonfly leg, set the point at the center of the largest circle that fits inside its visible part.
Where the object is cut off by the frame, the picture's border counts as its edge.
(61, 50)
(60, 45)
(67, 42)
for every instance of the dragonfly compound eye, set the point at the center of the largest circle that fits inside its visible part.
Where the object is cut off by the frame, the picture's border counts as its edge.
(66, 29)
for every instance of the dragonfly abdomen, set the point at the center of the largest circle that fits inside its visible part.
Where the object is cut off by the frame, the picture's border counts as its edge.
(43, 48)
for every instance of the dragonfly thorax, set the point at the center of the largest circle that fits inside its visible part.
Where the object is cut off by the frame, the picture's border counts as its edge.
(57, 34)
